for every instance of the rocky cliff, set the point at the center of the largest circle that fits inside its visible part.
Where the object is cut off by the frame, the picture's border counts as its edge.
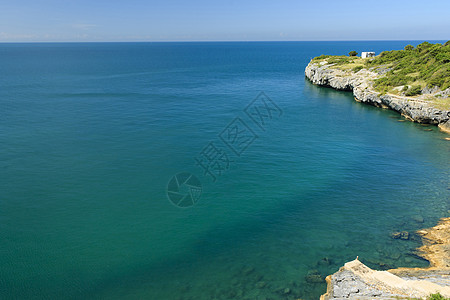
(360, 83)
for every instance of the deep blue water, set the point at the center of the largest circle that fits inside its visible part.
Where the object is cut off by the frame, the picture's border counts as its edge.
(91, 135)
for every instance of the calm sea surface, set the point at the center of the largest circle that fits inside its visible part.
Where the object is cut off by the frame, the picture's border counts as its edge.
(91, 135)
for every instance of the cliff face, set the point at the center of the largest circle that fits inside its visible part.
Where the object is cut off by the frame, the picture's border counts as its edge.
(361, 84)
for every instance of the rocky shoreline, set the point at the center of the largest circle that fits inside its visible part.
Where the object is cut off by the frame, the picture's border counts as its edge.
(357, 281)
(412, 108)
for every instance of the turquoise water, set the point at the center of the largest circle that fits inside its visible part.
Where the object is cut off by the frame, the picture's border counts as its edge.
(91, 135)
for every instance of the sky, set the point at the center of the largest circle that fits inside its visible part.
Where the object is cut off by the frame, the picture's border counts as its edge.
(224, 20)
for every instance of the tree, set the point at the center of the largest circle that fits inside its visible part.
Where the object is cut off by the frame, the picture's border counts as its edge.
(409, 47)
(352, 53)
(424, 45)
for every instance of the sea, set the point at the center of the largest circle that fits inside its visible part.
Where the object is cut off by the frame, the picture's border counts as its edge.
(202, 170)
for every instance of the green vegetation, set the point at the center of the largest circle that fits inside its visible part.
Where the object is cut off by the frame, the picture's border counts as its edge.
(413, 91)
(323, 56)
(352, 53)
(427, 65)
(437, 296)
(335, 59)
(357, 68)
(405, 72)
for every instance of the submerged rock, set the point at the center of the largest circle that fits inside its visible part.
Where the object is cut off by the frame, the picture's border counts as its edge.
(324, 262)
(418, 218)
(239, 293)
(396, 235)
(261, 284)
(248, 270)
(395, 255)
(384, 266)
(404, 235)
(379, 264)
(314, 276)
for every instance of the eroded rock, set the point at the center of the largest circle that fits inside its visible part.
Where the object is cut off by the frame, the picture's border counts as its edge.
(361, 84)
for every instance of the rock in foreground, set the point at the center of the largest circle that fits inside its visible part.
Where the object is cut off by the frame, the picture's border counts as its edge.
(357, 281)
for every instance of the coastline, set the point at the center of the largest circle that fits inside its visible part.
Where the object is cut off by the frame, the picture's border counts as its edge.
(361, 84)
(356, 281)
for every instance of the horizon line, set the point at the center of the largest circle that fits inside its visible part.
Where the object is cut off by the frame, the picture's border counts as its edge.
(215, 41)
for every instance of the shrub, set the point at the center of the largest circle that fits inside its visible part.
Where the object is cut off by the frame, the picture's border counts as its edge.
(427, 62)
(357, 68)
(414, 90)
(435, 81)
(409, 47)
(352, 53)
(436, 296)
(443, 57)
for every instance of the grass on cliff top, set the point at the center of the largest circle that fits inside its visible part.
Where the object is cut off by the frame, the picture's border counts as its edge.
(342, 62)
(339, 61)
(407, 72)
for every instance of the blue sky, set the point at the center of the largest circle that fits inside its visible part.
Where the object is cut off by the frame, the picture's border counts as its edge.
(225, 20)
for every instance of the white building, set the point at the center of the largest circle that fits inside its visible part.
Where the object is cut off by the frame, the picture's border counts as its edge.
(367, 54)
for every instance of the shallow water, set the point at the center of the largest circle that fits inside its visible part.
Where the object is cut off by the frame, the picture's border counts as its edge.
(93, 133)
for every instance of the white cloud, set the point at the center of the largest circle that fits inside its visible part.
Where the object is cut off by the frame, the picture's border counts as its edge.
(83, 26)
(4, 36)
